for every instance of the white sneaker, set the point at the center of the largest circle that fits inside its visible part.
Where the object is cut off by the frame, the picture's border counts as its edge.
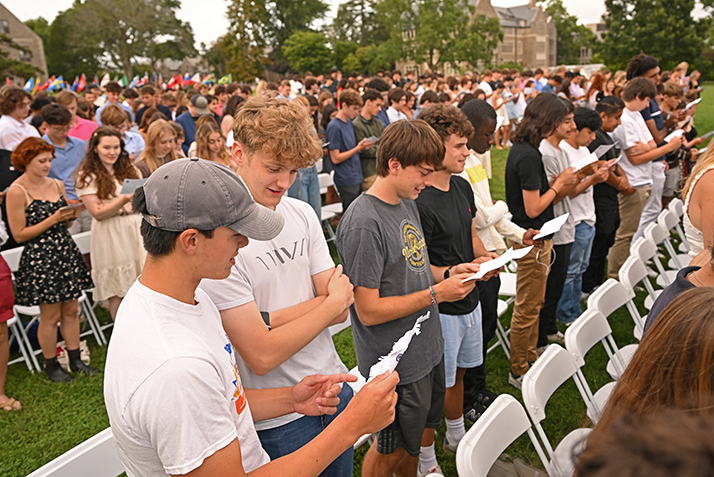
(433, 471)
(450, 446)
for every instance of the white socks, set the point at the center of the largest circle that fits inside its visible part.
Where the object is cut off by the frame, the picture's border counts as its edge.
(455, 430)
(427, 459)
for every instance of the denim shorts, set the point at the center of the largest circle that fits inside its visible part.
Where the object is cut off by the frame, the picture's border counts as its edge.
(463, 342)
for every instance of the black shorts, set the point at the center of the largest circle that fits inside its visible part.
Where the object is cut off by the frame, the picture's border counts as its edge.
(419, 406)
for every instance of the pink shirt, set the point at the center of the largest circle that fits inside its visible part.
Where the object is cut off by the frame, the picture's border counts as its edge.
(83, 129)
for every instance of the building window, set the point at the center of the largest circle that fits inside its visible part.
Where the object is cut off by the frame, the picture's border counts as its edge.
(507, 47)
(540, 29)
(4, 27)
(25, 56)
(520, 47)
(540, 47)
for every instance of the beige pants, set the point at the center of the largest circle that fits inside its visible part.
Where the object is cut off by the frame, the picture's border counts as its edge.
(631, 207)
(531, 279)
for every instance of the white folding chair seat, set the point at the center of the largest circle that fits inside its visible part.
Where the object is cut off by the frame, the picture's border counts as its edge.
(502, 423)
(12, 257)
(668, 220)
(95, 457)
(645, 249)
(588, 329)
(356, 386)
(609, 297)
(508, 286)
(83, 241)
(553, 368)
(329, 211)
(657, 234)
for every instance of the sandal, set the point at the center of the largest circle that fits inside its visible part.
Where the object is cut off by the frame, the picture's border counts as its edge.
(10, 404)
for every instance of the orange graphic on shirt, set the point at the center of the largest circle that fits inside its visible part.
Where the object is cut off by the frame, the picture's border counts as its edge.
(239, 394)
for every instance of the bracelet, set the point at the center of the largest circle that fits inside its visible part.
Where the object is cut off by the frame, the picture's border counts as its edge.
(556, 192)
(432, 292)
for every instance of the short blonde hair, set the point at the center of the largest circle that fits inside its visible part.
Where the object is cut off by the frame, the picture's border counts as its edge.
(279, 128)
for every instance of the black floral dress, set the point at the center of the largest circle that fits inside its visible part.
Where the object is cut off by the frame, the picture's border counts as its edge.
(52, 268)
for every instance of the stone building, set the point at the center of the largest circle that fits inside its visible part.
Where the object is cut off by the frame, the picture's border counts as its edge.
(23, 35)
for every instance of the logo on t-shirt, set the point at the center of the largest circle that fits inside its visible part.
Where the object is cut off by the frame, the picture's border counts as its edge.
(282, 255)
(239, 394)
(414, 246)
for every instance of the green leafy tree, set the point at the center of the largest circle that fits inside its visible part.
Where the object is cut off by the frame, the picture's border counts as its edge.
(341, 51)
(664, 29)
(40, 26)
(72, 49)
(308, 51)
(439, 31)
(358, 21)
(8, 66)
(571, 36)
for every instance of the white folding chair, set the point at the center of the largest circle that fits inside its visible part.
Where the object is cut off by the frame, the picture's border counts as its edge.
(657, 234)
(95, 457)
(17, 334)
(633, 271)
(580, 337)
(356, 386)
(610, 296)
(501, 335)
(12, 257)
(645, 249)
(668, 220)
(329, 211)
(508, 286)
(552, 369)
(677, 207)
(502, 423)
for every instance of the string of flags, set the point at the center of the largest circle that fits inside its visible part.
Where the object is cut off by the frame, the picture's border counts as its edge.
(54, 84)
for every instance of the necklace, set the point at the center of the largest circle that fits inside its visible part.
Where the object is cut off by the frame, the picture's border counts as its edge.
(694, 274)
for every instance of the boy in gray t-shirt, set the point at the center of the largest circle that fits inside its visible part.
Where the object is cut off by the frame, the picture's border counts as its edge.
(381, 246)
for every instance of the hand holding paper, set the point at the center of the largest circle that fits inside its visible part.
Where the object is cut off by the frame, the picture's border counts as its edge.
(693, 103)
(499, 262)
(585, 161)
(674, 134)
(552, 226)
(389, 362)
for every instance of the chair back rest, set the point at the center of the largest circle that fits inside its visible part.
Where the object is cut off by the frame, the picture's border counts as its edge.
(325, 180)
(83, 241)
(502, 423)
(677, 207)
(644, 249)
(95, 457)
(609, 297)
(632, 272)
(12, 257)
(667, 219)
(552, 369)
(656, 233)
(585, 332)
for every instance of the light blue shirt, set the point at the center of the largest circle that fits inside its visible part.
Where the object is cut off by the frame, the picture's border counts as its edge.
(133, 143)
(66, 161)
(98, 113)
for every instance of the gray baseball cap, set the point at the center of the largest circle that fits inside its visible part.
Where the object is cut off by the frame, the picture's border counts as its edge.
(200, 102)
(204, 195)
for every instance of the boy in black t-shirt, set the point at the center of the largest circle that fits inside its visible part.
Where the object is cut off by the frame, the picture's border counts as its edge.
(530, 196)
(447, 210)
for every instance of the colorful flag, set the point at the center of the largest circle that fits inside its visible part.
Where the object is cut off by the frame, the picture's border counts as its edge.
(226, 79)
(75, 84)
(96, 80)
(105, 80)
(8, 81)
(172, 82)
(123, 81)
(153, 77)
(143, 80)
(30, 85)
(57, 84)
(134, 81)
(160, 82)
(82, 83)
(47, 83)
(192, 80)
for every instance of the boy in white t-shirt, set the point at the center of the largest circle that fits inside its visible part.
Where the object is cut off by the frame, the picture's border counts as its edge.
(172, 390)
(582, 208)
(283, 294)
(638, 148)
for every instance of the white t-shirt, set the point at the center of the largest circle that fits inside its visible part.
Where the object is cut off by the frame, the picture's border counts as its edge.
(395, 115)
(13, 132)
(633, 128)
(582, 206)
(278, 274)
(486, 88)
(171, 386)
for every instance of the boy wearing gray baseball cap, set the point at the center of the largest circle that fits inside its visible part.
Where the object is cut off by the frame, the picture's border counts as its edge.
(172, 388)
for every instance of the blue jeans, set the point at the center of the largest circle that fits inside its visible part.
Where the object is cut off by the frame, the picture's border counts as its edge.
(286, 439)
(307, 189)
(569, 304)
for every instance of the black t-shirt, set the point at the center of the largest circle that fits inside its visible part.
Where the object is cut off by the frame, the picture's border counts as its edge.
(525, 171)
(162, 109)
(446, 219)
(679, 286)
(605, 195)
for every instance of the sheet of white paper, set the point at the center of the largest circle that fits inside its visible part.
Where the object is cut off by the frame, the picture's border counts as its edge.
(520, 253)
(703, 150)
(552, 226)
(704, 136)
(499, 122)
(491, 265)
(676, 133)
(130, 185)
(641, 184)
(601, 150)
(585, 161)
(693, 103)
(389, 362)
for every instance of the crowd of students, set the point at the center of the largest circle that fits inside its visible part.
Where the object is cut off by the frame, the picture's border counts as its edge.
(410, 160)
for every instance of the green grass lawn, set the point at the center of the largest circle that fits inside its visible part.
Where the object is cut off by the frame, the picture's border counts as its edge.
(57, 417)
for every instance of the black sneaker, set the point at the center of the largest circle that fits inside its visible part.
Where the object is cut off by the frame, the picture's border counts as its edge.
(474, 412)
(486, 397)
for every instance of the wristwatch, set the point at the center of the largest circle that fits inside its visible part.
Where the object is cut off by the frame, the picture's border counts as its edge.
(447, 273)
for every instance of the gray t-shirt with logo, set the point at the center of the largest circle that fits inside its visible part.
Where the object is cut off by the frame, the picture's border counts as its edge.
(381, 246)
(555, 161)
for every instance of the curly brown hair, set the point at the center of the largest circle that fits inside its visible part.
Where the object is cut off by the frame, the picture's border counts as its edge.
(278, 128)
(91, 169)
(447, 120)
(11, 97)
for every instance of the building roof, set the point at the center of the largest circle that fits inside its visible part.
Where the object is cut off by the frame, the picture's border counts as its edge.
(511, 17)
